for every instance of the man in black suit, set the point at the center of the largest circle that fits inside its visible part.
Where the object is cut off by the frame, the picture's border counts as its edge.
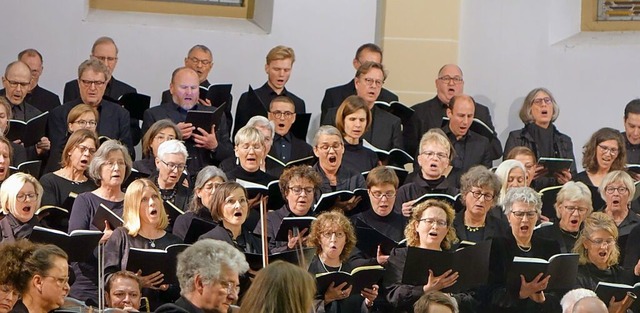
(385, 131)
(105, 50)
(42, 99)
(205, 146)
(286, 147)
(334, 96)
(278, 68)
(632, 131)
(17, 82)
(429, 114)
(471, 148)
(114, 120)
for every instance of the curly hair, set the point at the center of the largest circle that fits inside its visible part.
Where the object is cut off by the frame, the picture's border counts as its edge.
(332, 221)
(479, 176)
(13, 256)
(595, 222)
(300, 172)
(411, 233)
(589, 151)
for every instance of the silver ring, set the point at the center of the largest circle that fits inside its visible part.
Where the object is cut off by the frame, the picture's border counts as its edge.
(342, 292)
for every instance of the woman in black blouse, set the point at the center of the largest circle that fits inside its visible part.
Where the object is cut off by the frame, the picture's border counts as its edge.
(538, 112)
(599, 254)
(480, 188)
(353, 119)
(207, 180)
(71, 178)
(333, 237)
(158, 133)
(144, 227)
(20, 196)
(171, 160)
(617, 190)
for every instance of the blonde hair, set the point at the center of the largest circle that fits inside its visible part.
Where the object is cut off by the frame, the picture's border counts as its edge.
(327, 221)
(281, 53)
(132, 200)
(11, 187)
(411, 233)
(595, 222)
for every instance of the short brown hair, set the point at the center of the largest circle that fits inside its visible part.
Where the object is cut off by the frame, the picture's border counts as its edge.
(281, 53)
(96, 66)
(151, 133)
(349, 106)
(367, 66)
(328, 220)
(75, 139)
(301, 172)
(589, 159)
(284, 99)
(80, 109)
(437, 297)
(382, 175)
(122, 274)
(368, 47)
(103, 40)
(219, 197)
(521, 150)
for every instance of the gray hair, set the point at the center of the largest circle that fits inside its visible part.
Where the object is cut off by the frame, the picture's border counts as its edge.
(525, 195)
(261, 121)
(207, 258)
(574, 191)
(525, 110)
(172, 147)
(248, 134)
(571, 297)
(326, 130)
(502, 172)
(100, 159)
(205, 174)
(617, 176)
(479, 176)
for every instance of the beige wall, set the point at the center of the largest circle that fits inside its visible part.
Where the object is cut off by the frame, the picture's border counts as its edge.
(418, 37)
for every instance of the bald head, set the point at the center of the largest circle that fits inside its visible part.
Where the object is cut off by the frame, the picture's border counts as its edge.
(449, 82)
(590, 305)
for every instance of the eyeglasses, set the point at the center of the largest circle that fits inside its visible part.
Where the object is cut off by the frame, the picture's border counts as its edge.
(196, 61)
(438, 155)
(23, 197)
(603, 242)
(379, 195)
(621, 190)
(112, 164)
(371, 81)
(611, 151)
(231, 287)
(280, 114)
(432, 221)
(572, 209)
(255, 146)
(539, 101)
(84, 123)
(105, 59)
(448, 79)
(335, 146)
(61, 281)
(15, 84)
(486, 196)
(296, 190)
(521, 214)
(96, 83)
(173, 166)
(6, 290)
(83, 149)
(329, 234)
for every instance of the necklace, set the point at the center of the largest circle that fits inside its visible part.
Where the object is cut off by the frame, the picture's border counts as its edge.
(325, 267)
(523, 248)
(168, 194)
(152, 243)
(473, 229)
(569, 233)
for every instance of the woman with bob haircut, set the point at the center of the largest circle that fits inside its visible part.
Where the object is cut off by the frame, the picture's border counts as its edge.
(573, 205)
(617, 190)
(436, 302)
(20, 197)
(333, 236)
(353, 119)
(538, 113)
(435, 155)
(110, 166)
(599, 253)
(144, 223)
(206, 183)
(71, 178)
(430, 227)
(158, 133)
(475, 223)
(528, 159)
(171, 161)
(280, 287)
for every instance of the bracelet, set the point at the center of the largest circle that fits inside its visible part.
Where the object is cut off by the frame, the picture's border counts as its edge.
(368, 303)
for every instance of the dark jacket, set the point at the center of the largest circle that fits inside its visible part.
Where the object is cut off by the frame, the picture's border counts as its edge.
(334, 96)
(471, 149)
(429, 115)
(494, 227)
